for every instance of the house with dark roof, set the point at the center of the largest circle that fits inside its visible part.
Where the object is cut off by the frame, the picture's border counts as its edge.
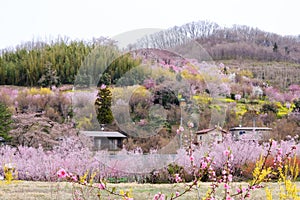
(105, 140)
(210, 135)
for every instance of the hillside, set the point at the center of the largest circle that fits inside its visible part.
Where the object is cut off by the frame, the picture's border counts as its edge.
(269, 56)
(234, 77)
(278, 74)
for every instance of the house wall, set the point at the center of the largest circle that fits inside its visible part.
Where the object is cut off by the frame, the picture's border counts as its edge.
(112, 144)
(203, 138)
(210, 137)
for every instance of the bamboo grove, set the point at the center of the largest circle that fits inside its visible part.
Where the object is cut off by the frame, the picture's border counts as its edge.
(26, 64)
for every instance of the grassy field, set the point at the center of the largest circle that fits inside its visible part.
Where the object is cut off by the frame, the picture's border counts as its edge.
(61, 191)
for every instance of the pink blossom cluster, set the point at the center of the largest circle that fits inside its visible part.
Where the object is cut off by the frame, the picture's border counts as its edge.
(8, 96)
(191, 69)
(175, 68)
(63, 174)
(38, 164)
(180, 130)
(287, 96)
(190, 125)
(159, 196)
(67, 176)
(101, 186)
(241, 190)
(128, 198)
(226, 177)
(278, 157)
(41, 165)
(237, 97)
(283, 155)
(102, 87)
(177, 178)
(149, 83)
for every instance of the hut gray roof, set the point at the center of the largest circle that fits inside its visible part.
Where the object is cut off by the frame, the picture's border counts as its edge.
(107, 134)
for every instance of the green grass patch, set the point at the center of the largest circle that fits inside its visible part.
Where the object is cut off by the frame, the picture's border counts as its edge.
(63, 190)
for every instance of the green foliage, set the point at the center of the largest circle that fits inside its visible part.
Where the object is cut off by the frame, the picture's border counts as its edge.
(175, 169)
(165, 97)
(296, 105)
(85, 123)
(25, 65)
(95, 65)
(5, 121)
(76, 62)
(103, 105)
(203, 102)
(275, 47)
(168, 127)
(105, 79)
(231, 119)
(49, 77)
(140, 104)
(119, 67)
(269, 107)
(83, 80)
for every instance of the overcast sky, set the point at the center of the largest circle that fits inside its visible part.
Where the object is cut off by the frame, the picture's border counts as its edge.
(84, 19)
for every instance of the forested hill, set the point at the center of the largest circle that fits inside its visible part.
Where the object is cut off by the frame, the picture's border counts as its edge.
(36, 63)
(229, 43)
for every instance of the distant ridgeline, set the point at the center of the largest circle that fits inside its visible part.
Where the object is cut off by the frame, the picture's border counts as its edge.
(62, 61)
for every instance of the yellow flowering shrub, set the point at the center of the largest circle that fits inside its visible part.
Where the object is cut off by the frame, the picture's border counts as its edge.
(10, 173)
(41, 91)
(287, 176)
(261, 172)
